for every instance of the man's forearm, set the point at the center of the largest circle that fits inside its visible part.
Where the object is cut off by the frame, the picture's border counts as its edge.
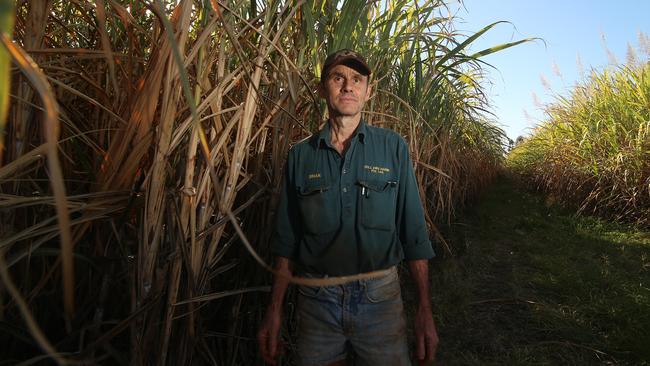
(280, 283)
(420, 273)
(425, 329)
(268, 335)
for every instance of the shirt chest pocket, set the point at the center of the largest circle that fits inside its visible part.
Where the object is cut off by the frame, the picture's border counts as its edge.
(378, 202)
(319, 209)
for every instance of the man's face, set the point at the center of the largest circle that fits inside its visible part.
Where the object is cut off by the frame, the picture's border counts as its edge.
(345, 90)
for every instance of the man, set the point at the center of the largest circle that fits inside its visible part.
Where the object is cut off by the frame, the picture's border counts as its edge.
(350, 205)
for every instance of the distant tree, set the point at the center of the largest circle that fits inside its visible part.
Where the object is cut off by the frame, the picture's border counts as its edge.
(519, 140)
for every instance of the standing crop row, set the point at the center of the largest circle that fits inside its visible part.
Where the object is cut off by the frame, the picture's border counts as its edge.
(166, 115)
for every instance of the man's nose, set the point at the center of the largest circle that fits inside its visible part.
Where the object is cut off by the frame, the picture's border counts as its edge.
(347, 85)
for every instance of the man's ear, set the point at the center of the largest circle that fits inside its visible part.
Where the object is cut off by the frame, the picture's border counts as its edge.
(369, 90)
(321, 90)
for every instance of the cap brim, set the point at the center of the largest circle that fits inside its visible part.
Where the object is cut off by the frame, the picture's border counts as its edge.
(354, 63)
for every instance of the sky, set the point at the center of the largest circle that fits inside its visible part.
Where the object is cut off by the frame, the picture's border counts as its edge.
(593, 34)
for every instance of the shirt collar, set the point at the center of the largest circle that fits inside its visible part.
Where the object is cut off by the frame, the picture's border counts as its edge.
(324, 135)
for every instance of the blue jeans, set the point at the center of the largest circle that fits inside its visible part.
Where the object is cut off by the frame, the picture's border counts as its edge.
(364, 318)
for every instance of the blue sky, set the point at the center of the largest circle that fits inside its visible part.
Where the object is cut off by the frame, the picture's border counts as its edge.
(570, 29)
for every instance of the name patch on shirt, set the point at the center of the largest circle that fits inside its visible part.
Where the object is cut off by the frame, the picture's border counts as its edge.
(376, 169)
(313, 176)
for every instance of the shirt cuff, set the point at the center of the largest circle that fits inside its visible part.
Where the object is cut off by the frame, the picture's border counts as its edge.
(422, 250)
(283, 250)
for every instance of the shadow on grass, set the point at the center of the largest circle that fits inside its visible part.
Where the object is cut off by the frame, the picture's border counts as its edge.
(532, 284)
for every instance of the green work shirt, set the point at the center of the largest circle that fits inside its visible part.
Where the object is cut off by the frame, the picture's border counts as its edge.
(361, 212)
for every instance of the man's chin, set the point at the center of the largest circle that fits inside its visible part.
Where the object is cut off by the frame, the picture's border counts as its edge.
(347, 112)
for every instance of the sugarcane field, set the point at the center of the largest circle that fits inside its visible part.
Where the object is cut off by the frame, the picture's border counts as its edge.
(324, 182)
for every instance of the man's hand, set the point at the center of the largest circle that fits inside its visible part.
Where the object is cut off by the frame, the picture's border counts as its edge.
(268, 336)
(426, 336)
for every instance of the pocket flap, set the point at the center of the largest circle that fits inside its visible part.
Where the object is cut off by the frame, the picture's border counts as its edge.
(313, 189)
(377, 185)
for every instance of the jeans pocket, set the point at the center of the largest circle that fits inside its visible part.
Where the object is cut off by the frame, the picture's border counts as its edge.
(312, 292)
(384, 288)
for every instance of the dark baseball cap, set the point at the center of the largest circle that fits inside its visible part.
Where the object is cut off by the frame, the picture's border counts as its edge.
(345, 57)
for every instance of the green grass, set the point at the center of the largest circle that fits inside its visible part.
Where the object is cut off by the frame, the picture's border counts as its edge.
(532, 284)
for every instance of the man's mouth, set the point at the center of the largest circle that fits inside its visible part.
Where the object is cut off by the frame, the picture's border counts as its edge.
(347, 99)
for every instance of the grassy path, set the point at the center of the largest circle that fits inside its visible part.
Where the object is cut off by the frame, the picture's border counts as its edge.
(533, 285)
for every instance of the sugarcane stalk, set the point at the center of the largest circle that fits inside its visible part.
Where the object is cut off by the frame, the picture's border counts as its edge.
(6, 27)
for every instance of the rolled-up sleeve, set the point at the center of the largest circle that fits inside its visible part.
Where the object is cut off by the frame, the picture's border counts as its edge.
(411, 225)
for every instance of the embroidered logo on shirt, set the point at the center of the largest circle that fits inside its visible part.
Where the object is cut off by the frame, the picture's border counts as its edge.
(376, 169)
(314, 176)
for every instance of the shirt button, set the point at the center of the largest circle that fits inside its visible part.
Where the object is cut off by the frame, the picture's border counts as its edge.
(345, 190)
(345, 171)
